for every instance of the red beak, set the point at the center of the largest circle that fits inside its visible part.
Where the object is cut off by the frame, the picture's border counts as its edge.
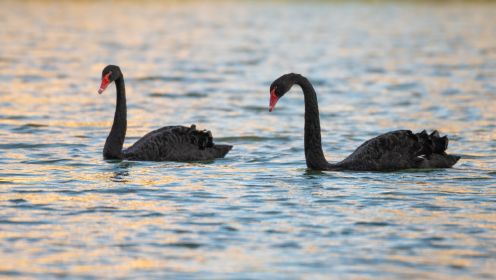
(273, 99)
(105, 83)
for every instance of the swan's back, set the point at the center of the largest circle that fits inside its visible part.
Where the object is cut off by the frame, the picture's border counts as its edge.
(401, 149)
(176, 143)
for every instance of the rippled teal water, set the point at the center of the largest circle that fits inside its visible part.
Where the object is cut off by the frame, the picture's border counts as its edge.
(258, 213)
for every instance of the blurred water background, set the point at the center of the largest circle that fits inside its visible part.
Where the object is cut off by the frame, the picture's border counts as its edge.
(258, 213)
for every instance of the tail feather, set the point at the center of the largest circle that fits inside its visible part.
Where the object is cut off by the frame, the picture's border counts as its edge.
(433, 150)
(439, 161)
(221, 150)
(202, 138)
(205, 142)
(440, 144)
(432, 143)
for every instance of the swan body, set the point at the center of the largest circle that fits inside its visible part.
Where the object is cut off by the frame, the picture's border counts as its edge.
(176, 143)
(395, 150)
(170, 143)
(400, 149)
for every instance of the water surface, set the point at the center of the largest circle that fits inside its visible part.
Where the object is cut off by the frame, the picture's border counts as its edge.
(258, 213)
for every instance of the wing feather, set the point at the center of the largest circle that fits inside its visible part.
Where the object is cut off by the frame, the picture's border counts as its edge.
(401, 149)
(176, 143)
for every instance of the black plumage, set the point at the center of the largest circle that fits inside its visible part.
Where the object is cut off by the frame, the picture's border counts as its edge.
(170, 143)
(394, 150)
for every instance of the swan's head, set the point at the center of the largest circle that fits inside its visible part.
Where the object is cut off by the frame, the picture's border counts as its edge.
(109, 74)
(279, 87)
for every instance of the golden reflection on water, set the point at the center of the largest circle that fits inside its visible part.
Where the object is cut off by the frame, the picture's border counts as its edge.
(66, 212)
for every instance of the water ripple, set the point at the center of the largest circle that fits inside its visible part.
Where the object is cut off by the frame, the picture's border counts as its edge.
(258, 213)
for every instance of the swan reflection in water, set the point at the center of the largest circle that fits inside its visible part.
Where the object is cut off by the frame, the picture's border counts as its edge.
(120, 171)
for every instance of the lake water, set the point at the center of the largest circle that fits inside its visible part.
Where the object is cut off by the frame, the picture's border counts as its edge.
(258, 213)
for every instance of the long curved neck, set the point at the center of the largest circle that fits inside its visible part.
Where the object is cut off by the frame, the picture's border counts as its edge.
(115, 139)
(313, 145)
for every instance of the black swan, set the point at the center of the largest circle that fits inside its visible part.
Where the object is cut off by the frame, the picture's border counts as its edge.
(170, 143)
(391, 151)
